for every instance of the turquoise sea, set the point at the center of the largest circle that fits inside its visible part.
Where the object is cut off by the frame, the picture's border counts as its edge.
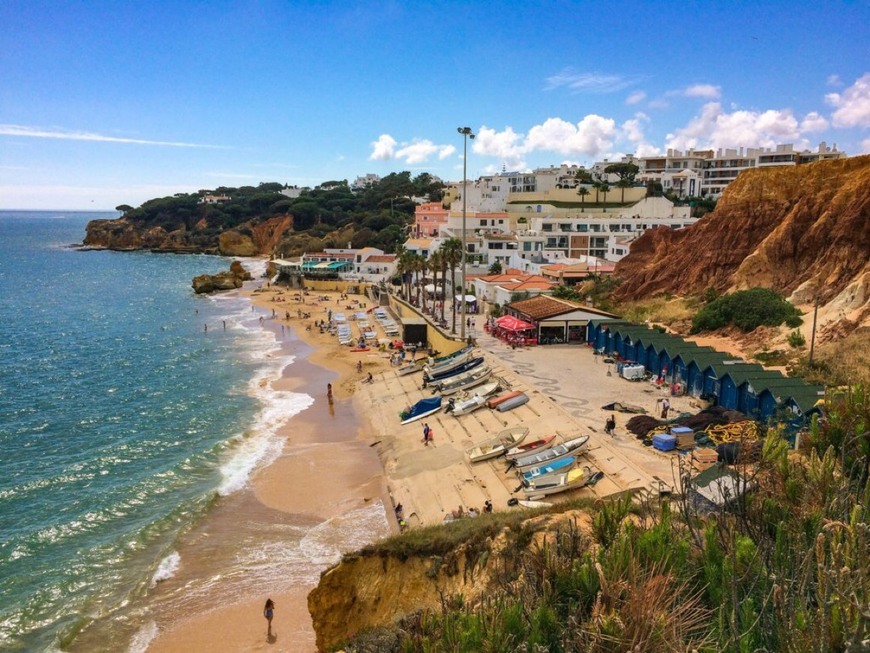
(122, 420)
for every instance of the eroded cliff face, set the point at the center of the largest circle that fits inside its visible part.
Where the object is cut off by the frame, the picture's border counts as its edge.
(124, 234)
(798, 230)
(365, 591)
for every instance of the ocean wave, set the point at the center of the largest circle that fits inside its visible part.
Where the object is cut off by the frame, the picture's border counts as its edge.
(143, 638)
(327, 542)
(167, 568)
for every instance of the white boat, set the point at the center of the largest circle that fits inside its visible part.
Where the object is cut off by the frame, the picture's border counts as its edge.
(468, 383)
(567, 448)
(556, 467)
(497, 446)
(449, 363)
(465, 406)
(553, 484)
(526, 448)
(526, 503)
(459, 379)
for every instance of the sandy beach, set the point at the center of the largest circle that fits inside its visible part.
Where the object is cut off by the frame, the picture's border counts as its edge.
(353, 452)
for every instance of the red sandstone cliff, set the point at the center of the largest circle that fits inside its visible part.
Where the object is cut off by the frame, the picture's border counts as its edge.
(796, 230)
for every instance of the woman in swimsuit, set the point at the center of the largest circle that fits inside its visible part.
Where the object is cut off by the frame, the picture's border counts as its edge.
(269, 612)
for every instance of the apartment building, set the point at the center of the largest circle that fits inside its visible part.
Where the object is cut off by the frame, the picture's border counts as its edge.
(705, 172)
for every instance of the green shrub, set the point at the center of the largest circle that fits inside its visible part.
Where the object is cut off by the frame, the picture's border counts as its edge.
(796, 339)
(746, 309)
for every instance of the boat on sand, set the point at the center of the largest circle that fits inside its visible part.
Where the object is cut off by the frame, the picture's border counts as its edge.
(526, 448)
(557, 466)
(497, 446)
(513, 402)
(555, 483)
(421, 409)
(567, 448)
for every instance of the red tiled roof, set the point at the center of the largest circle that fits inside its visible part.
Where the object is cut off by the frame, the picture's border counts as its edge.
(381, 258)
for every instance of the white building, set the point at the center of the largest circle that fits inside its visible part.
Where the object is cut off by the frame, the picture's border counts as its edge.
(681, 171)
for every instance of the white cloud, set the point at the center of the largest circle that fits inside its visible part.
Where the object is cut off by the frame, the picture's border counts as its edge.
(419, 151)
(635, 98)
(506, 145)
(593, 136)
(658, 103)
(384, 148)
(813, 122)
(38, 132)
(834, 80)
(852, 106)
(588, 82)
(707, 91)
(632, 130)
(717, 128)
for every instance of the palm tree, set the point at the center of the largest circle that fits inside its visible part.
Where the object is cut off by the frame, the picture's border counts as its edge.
(403, 267)
(451, 249)
(623, 184)
(435, 265)
(582, 192)
(418, 264)
(605, 188)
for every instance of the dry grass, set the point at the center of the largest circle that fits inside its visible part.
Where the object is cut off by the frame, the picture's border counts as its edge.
(844, 362)
(660, 310)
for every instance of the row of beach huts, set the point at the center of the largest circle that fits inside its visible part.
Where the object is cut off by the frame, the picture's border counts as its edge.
(704, 372)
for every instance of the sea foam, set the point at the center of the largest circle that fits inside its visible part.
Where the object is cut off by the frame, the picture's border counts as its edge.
(167, 568)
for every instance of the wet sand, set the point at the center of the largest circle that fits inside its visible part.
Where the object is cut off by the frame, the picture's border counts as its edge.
(326, 471)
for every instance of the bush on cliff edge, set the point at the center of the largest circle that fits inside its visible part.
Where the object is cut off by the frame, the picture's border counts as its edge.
(748, 310)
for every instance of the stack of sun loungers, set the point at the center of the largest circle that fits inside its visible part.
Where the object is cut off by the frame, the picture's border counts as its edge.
(387, 323)
(342, 329)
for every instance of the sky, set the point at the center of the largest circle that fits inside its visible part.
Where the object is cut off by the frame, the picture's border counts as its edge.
(108, 103)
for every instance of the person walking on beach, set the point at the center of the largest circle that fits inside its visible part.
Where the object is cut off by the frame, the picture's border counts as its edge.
(426, 434)
(329, 391)
(666, 407)
(610, 425)
(269, 612)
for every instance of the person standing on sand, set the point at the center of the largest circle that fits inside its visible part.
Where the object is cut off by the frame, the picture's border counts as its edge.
(329, 391)
(269, 612)
(426, 432)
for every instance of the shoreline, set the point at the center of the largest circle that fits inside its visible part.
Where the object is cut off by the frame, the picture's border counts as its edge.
(326, 437)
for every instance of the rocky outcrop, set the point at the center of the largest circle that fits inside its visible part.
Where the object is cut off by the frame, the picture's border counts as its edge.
(250, 239)
(233, 278)
(801, 230)
(371, 589)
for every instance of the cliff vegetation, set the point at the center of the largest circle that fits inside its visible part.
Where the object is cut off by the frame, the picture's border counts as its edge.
(782, 568)
(260, 220)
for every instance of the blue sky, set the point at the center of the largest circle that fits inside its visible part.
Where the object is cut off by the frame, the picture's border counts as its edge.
(104, 103)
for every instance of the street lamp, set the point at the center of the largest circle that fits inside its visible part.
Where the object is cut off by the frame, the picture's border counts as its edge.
(466, 134)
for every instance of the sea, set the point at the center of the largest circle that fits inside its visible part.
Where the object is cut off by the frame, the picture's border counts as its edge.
(130, 408)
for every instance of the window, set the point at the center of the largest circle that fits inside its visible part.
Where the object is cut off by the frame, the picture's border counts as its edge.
(483, 223)
(527, 247)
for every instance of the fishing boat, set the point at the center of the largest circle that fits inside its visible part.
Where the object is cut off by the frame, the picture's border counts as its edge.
(454, 361)
(409, 368)
(459, 379)
(421, 409)
(463, 367)
(434, 362)
(526, 503)
(498, 445)
(562, 465)
(477, 378)
(513, 402)
(465, 406)
(526, 448)
(487, 390)
(567, 448)
(555, 483)
(495, 401)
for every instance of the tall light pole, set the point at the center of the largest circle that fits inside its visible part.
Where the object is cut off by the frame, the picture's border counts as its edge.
(466, 134)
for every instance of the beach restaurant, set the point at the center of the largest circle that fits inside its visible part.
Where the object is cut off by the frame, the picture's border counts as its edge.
(555, 320)
(512, 330)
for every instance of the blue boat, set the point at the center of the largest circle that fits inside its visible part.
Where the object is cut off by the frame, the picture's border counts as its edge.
(453, 371)
(550, 468)
(421, 409)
